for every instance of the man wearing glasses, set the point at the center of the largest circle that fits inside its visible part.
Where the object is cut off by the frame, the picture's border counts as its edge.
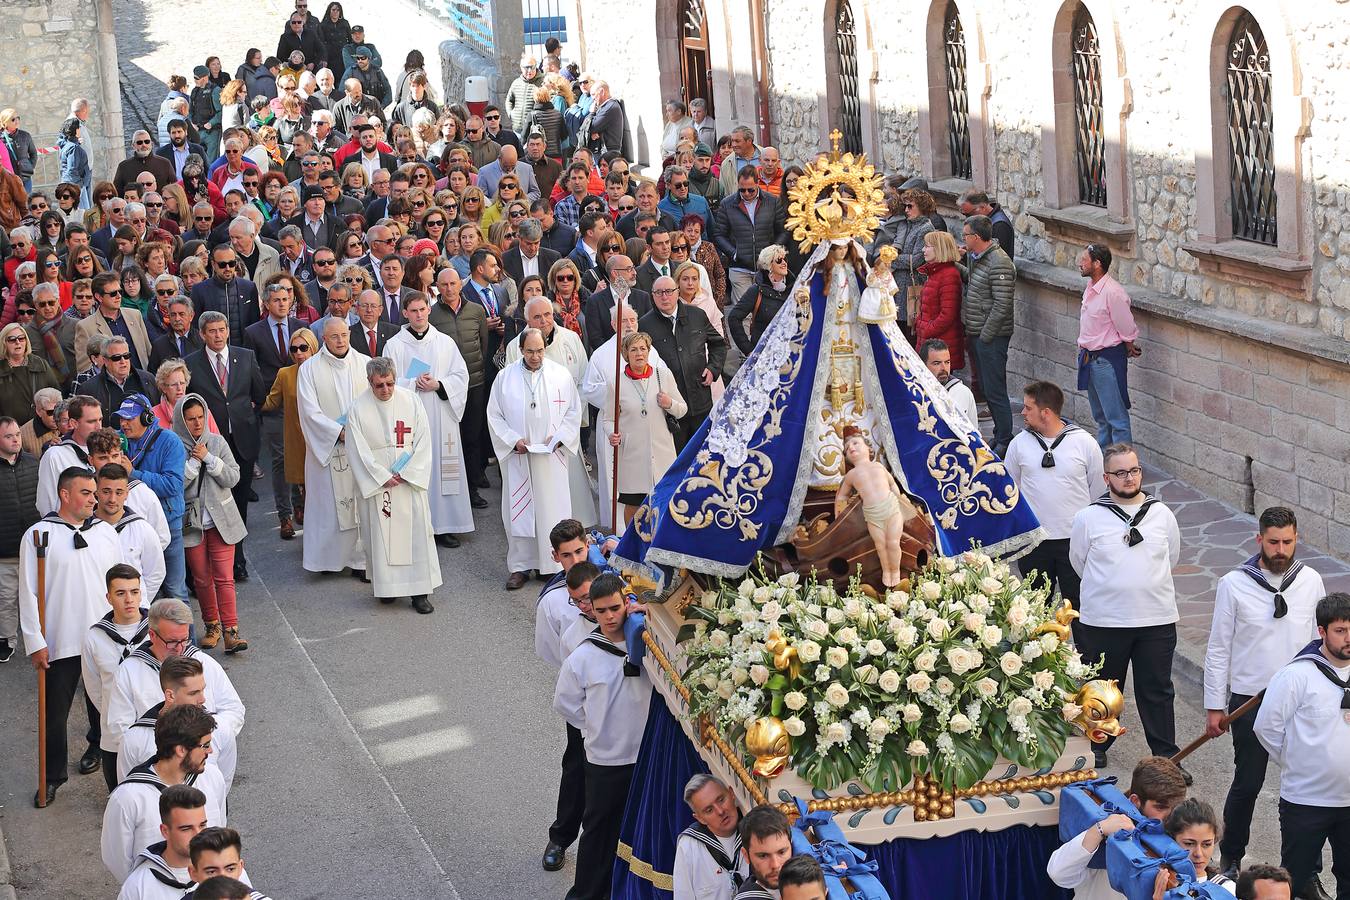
(110, 319)
(1124, 546)
(482, 149)
(80, 550)
(506, 165)
(143, 159)
(679, 200)
(746, 224)
(228, 292)
(520, 96)
(119, 380)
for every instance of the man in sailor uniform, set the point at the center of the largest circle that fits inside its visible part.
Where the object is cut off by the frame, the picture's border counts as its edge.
(182, 748)
(86, 417)
(80, 551)
(105, 446)
(161, 871)
(802, 879)
(1123, 546)
(217, 854)
(137, 686)
(109, 641)
(937, 356)
(182, 680)
(606, 698)
(709, 864)
(1265, 612)
(766, 844)
(140, 542)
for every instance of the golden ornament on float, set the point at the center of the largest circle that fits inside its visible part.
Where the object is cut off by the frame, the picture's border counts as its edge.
(1060, 627)
(768, 741)
(1102, 703)
(837, 198)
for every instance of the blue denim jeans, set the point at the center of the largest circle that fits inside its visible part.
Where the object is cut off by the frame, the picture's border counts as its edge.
(175, 567)
(992, 361)
(1108, 406)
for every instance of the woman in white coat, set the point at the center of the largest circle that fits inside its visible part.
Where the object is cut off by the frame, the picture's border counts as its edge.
(647, 394)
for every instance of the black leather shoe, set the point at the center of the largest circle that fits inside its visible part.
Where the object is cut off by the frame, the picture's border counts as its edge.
(1186, 776)
(1099, 759)
(387, 600)
(447, 540)
(240, 574)
(1230, 868)
(91, 761)
(1312, 890)
(476, 500)
(422, 604)
(480, 482)
(553, 857)
(360, 575)
(51, 795)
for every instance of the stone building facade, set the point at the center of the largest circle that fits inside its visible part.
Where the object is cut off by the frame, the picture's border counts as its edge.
(60, 50)
(1139, 124)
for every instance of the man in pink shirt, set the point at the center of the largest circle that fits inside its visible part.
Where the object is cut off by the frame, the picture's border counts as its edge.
(1107, 338)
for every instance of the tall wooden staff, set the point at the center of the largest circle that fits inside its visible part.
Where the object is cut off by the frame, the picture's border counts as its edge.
(1223, 723)
(40, 545)
(618, 373)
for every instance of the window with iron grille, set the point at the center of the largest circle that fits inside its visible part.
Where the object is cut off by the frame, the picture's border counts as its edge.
(846, 47)
(958, 101)
(1089, 141)
(1250, 125)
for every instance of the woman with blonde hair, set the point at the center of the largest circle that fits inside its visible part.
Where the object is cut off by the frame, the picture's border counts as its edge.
(176, 206)
(939, 313)
(357, 277)
(420, 176)
(282, 397)
(355, 182)
(172, 378)
(569, 296)
(22, 373)
(192, 271)
(473, 205)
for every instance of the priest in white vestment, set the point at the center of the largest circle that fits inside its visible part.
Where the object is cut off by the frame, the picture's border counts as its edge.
(429, 364)
(326, 385)
(391, 451)
(597, 389)
(534, 417)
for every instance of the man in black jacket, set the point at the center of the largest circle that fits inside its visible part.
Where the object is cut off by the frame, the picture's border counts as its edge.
(118, 380)
(181, 338)
(299, 37)
(600, 306)
(690, 346)
(529, 254)
(371, 326)
(18, 511)
(226, 292)
(744, 225)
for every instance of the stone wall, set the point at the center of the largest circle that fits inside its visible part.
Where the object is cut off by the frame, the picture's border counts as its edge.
(58, 50)
(494, 55)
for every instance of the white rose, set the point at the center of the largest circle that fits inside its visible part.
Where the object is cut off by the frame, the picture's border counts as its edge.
(911, 713)
(1010, 663)
(876, 647)
(1044, 679)
(813, 609)
(808, 651)
(990, 585)
(834, 615)
(853, 608)
(945, 686)
(710, 681)
(749, 615)
(759, 674)
(794, 700)
(930, 590)
(790, 580)
(1020, 706)
(846, 636)
(762, 594)
(885, 613)
(725, 617)
(1049, 642)
(960, 659)
(878, 729)
(919, 682)
(708, 600)
(745, 588)
(836, 733)
(938, 628)
(959, 578)
(771, 611)
(959, 724)
(1031, 650)
(725, 689)
(946, 566)
(817, 629)
(1070, 711)
(837, 657)
(836, 695)
(794, 726)
(905, 633)
(990, 635)
(897, 600)
(973, 622)
(917, 748)
(866, 674)
(889, 681)
(926, 661)
(987, 687)
(719, 639)
(739, 676)
(1017, 614)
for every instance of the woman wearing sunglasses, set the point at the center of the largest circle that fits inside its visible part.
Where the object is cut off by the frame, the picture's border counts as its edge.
(569, 296)
(22, 372)
(508, 189)
(472, 202)
(282, 397)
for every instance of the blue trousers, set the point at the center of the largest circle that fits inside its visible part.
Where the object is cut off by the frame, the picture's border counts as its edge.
(175, 567)
(991, 360)
(1108, 406)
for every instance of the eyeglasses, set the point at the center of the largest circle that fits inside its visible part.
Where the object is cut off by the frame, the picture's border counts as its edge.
(1126, 473)
(749, 190)
(472, 200)
(613, 248)
(224, 263)
(676, 185)
(299, 348)
(311, 164)
(38, 206)
(495, 117)
(18, 338)
(565, 277)
(434, 223)
(117, 357)
(51, 264)
(110, 294)
(325, 262)
(517, 214)
(664, 291)
(202, 218)
(354, 279)
(679, 248)
(626, 207)
(250, 184)
(141, 143)
(473, 132)
(154, 205)
(419, 204)
(165, 292)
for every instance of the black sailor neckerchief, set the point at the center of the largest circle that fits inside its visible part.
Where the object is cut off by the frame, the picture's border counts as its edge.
(630, 669)
(80, 453)
(703, 834)
(1048, 452)
(1253, 569)
(106, 625)
(1132, 536)
(80, 542)
(753, 890)
(1313, 654)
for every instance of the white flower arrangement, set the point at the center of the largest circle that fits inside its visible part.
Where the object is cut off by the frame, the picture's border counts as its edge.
(940, 678)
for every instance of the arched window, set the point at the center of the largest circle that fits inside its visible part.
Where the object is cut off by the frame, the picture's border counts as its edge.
(958, 98)
(695, 64)
(1089, 141)
(846, 57)
(1251, 117)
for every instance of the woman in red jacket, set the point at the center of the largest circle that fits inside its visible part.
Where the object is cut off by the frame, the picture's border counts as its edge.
(940, 308)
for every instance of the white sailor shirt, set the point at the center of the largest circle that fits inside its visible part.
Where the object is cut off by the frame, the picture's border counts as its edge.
(106, 644)
(964, 398)
(1056, 493)
(1306, 729)
(76, 588)
(553, 615)
(696, 875)
(131, 819)
(136, 689)
(138, 745)
(153, 878)
(608, 707)
(140, 548)
(142, 499)
(1125, 586)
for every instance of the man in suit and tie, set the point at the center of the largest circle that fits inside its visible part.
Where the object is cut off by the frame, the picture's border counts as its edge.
(180, 339)
(529, 256)
(317, 228)
(370, 156)
(227, 292)
(658, 259)
(600, 305)
(108, 318)
(371, 331)
(229, 379)
(115, 208)
(484, 287)
(690, 346)
(391, 289)
(270, 340)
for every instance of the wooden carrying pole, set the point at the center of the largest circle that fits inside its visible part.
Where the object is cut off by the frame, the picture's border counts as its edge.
(1225, 722)
(40, 546)
(618, 373)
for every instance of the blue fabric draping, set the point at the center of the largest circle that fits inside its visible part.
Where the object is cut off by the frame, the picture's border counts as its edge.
(991, 865)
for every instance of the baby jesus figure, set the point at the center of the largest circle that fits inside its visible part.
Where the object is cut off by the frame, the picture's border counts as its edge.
(880, 495)
(876, 306)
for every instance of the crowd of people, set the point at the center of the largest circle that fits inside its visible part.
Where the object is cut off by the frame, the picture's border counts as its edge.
(316, 274)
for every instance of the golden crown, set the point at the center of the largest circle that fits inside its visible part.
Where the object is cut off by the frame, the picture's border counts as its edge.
(836, 197)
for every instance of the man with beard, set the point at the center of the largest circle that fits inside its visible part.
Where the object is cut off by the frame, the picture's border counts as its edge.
(179, 148)
(131, 820)
(1304, 724)
(1124, 546)
(143, 159)
(766, 843)
(1264, 614)
(708, 858)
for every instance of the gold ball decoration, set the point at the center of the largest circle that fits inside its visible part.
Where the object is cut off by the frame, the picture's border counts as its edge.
(948, 810)
(920, 814)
